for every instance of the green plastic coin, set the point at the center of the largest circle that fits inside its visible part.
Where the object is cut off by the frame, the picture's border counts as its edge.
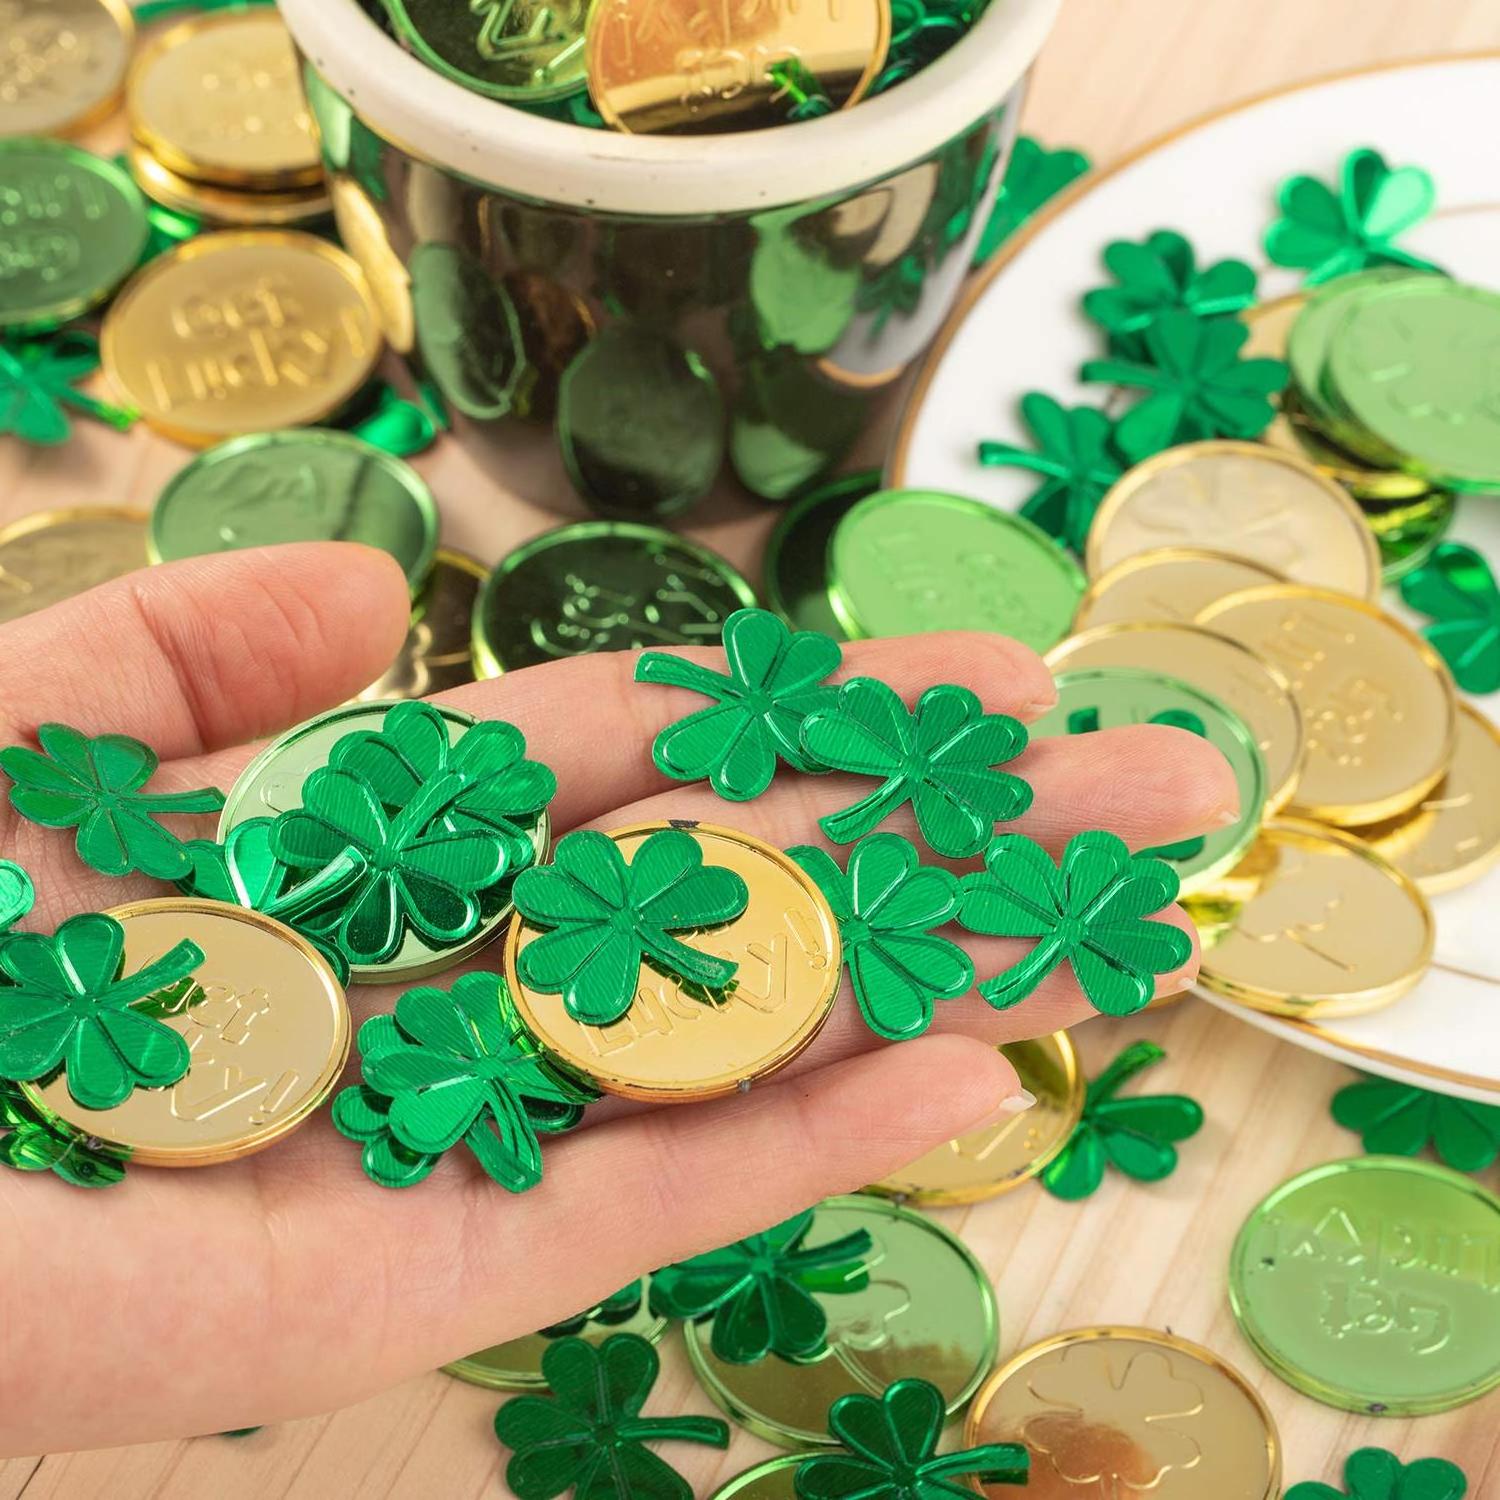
(602, 586)
(929, 1310)
(797, 554)
(773, 1480)
(1416, 363)
(1373, 1285)
(640, 423)
(467, 331)
(304, 485)
(904, 562)
(1408, 531)
(72, 228)
(1108, 697)
(272, 784)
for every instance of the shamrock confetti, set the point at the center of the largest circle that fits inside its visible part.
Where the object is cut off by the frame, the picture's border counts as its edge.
(1197, 384)
(940, 758)
(1374, 1474)
(1396, 1119)
(502, 792)
(30, 1143)
(759, 1291)
(1333, 233)
(775, 679)
(1135, 1136)
(589, 1435)
(892, 1442)
(17, 895)
(362, 1115)
(620, 1307)
(94, 785)
(37, 379)
(69, 1004)
(606, 916)
(394, 425)
(1034, 175)
(1090, 914)
(421, 876)
(887, 905)
(1456, 588)
(1077, 453)
(1160, 276)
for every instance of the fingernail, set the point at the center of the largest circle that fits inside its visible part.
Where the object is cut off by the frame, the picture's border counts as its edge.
(1040, 707)
(1226, 817)
(1007, 1109)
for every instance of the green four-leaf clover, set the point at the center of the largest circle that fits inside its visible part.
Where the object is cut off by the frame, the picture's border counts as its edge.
(31, 1143)
(940, 757)
(1374, 1474)
(1456, 589)
(1398, 1119)
(1089, 913)
(1161, 275)
(887, 905)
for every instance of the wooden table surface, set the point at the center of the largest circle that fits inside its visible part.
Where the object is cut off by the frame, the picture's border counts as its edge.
(1115, 73)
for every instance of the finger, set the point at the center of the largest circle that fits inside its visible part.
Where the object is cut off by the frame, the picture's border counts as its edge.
(209, 652)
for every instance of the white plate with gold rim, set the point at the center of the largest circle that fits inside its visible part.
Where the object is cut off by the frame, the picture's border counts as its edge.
(1019, 328)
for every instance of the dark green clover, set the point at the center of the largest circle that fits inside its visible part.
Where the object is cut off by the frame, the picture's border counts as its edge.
(1397, 1119)
(887, 905)
(605, 917)
(501, 793)
(1456, 589)
(1034, 176)
(1331, 233)
(243, 871)
(421, 875)
(1090, 913)
(589, 1436)
(31, 1143)
(891, 1444)
(395, 425)
(94, 785)
(1135, 1136)
(619, 1307)
(1374, 1474)
(17, 895)
(362, 1115)
(1076, 453)
(941, 758)
(776, 678)
(69, 1004)
(37, 380)
(759, 1291)
(1196, 384)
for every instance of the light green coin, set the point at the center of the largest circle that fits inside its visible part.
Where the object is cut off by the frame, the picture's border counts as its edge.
(306, 485)
(904, 562)
(1109, 697)
(773, 1480)
(797, 555)
(72, 228)
(1373, 1285)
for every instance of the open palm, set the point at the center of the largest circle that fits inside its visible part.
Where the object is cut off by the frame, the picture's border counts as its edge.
(286, 1284)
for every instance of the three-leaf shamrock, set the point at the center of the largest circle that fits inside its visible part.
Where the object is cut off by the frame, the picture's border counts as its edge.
(31, 1143)
(759, 1290)
(1197, 385)
(1398, 1119)
(618, 1307)
(775, 679)
(891, 1444)
(69, 1004)
(1374, 1474)
(1456, 588)
(589, 1435)
(1076, 453)
(421, 875)
(887, 905)
(1034, 175)
(941, 758)
(1090, 913)
(36, 388)
(1333, 233)
(94, 785)
(17, 895)
(605, 917)
(1135, 1136)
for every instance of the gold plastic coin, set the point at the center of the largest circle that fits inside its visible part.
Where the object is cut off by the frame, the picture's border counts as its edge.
(1244, 682)
(240, 332)
(1453, 835)
(234, 208)
(363, 234)
(219, 98)
(1378, 704)
(672, 1047)
(1332, 930)
(1251, 501)
(438, 654)
(265, 1021)
(1167, 584)
(1000, 1157)
(55, 554)
(1127, 1412)
(62, 63)
(690, 66)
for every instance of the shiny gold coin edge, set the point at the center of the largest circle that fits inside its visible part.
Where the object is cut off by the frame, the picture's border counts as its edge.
(471, 1372)
(219, 206)
(1143, 562)
(97, 109)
